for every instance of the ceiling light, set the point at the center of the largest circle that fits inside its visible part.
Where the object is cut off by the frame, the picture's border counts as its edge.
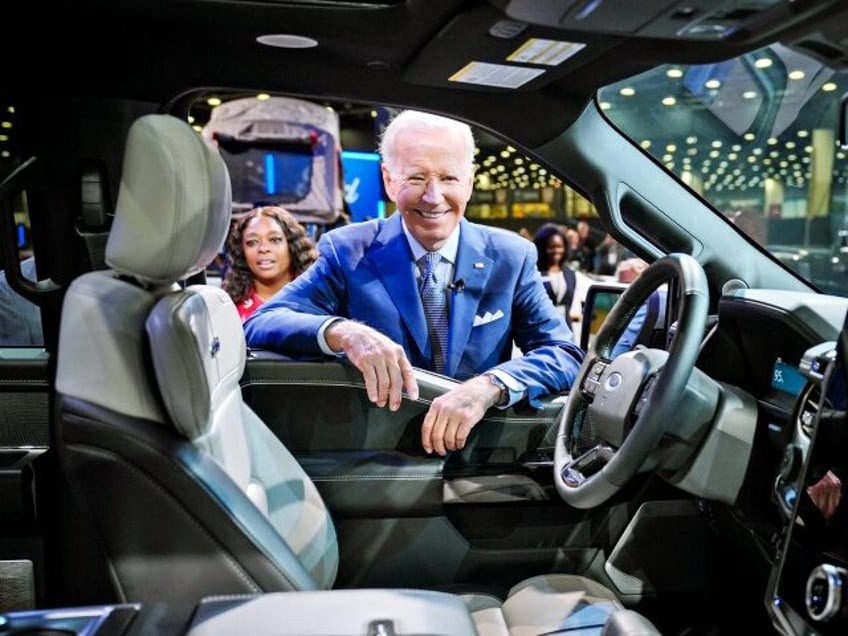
(829, 86)
(674, 73)
(669, 101)
(627, 91)
(796, 74)
(287, 41)
(763, 62)
(712, 84)
(749, 94)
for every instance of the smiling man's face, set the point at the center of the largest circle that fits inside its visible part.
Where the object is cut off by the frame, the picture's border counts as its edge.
(430, 181)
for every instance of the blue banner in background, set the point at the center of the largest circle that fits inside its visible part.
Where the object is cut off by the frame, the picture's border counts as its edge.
(363, 185)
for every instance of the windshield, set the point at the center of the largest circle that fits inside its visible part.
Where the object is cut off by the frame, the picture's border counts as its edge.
(756, 137)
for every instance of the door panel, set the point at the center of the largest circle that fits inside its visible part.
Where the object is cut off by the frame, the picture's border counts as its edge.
(24, 475)
(491, 503)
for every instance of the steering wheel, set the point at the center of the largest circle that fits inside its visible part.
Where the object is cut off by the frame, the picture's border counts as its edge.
(619, 409)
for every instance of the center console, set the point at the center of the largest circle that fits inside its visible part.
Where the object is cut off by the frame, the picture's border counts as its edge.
(808, 587)
(373, 612)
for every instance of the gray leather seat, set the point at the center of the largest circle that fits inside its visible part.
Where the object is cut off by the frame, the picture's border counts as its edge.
(187, 493)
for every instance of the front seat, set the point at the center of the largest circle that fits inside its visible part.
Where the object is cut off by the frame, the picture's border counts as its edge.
(185, 492)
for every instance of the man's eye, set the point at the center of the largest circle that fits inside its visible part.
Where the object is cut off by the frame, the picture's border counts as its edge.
(415, 179)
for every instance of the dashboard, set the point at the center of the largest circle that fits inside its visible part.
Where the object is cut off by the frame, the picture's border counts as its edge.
(782, 349)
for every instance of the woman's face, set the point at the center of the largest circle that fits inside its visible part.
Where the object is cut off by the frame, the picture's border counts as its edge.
(555, 248)
(266, 251)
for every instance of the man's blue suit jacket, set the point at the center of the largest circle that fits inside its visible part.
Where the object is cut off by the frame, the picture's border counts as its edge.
(365, 272)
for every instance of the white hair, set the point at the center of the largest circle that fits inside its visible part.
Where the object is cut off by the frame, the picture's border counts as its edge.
(417, 120)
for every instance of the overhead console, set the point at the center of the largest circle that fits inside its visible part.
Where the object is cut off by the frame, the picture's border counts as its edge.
(730, 20)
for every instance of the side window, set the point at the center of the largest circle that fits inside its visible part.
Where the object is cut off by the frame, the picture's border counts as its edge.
(20, 319)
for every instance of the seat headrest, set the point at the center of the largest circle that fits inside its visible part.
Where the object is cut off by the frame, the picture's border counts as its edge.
(174, 203)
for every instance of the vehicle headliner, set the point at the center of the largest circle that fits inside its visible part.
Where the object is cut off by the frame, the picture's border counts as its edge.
(392, 52)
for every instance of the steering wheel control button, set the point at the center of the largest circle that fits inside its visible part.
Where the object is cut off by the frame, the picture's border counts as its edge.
(614, 381)
(646, 395)
(592, 381)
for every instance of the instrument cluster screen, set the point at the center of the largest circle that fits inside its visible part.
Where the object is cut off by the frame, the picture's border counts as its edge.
(787, 378)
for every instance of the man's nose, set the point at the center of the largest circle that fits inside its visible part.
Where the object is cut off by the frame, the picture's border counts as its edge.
(433, 190)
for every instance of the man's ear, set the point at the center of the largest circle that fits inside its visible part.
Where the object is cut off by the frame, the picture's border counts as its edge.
(388, 183)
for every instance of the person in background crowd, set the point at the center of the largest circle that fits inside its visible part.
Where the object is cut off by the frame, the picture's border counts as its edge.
(369, 294)
(559, 279)
(267, 248)
(20, 319)
(578, 255)
(648, 314)
(608, 255)
(587, 245)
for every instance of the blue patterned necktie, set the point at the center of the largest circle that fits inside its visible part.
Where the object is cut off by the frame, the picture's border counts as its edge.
(435, 308)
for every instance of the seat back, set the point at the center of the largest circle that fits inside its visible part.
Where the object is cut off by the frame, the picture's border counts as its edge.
(176, 489)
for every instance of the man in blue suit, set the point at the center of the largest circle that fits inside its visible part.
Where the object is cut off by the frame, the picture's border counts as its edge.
(360, 299)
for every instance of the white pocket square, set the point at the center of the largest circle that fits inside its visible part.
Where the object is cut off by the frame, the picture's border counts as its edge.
(488, 317)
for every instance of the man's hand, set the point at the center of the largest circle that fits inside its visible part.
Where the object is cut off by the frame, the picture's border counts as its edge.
(452, 415)
(826, 493)
(382, 361)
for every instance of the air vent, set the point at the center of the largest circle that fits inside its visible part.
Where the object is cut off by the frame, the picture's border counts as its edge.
(809, 410)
